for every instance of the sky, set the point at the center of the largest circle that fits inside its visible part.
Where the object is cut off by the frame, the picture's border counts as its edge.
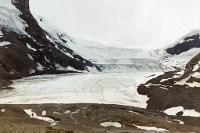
(127, 23)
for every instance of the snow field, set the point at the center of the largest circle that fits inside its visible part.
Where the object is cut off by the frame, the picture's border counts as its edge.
(107, 88)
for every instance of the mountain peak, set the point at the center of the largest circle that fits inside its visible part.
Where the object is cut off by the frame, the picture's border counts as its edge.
(34, 30)
(22, 5)
(187, 42)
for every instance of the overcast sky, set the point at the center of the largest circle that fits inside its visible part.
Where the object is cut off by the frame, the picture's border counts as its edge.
(122, 22)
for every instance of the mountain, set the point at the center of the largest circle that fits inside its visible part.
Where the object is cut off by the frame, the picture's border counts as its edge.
(31, 45)
(25, 47)
(116, 59)
(110, 59)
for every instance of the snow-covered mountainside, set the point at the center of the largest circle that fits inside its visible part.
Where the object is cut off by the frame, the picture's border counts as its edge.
(108, 58)
(116, 59)
(183, 50)
(25, 48)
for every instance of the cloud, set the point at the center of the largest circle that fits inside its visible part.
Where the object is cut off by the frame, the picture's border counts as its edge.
(122, 22)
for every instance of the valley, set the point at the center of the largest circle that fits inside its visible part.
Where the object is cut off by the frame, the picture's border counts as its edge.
(52, 82)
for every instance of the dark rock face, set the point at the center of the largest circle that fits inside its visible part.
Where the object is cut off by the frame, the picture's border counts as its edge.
(188, 43)
(34, 29)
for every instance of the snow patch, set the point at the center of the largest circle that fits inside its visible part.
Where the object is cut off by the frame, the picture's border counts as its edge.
(29, 47)
(40, 67)
(34, 115)
(193, 84)
(7, 4)
(163, 80)
(1, 34)
(180, 73)
(4, 43)
(3, 110)
(31, 71)
(111, 124)
(180, 122)
(70, 68)
(46, 59)
(44, 112)
(196, 75)
(196, 67)
(151, 128)
(183, 81)
(9, 18)
(66, 53)
(175, 110)
(30, 57)
(67, 112)
(59, 67)
(57, 113)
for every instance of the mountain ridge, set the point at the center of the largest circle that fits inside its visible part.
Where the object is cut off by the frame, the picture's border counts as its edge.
(116, 59)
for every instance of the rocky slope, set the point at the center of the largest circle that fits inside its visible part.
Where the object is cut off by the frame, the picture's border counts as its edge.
(176, 89)
(25, 48)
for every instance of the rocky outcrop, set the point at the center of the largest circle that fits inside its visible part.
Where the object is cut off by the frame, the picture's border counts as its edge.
(175, 89)
(188, 43)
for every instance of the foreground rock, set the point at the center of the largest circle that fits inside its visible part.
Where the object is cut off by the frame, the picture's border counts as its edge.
(91, 118)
